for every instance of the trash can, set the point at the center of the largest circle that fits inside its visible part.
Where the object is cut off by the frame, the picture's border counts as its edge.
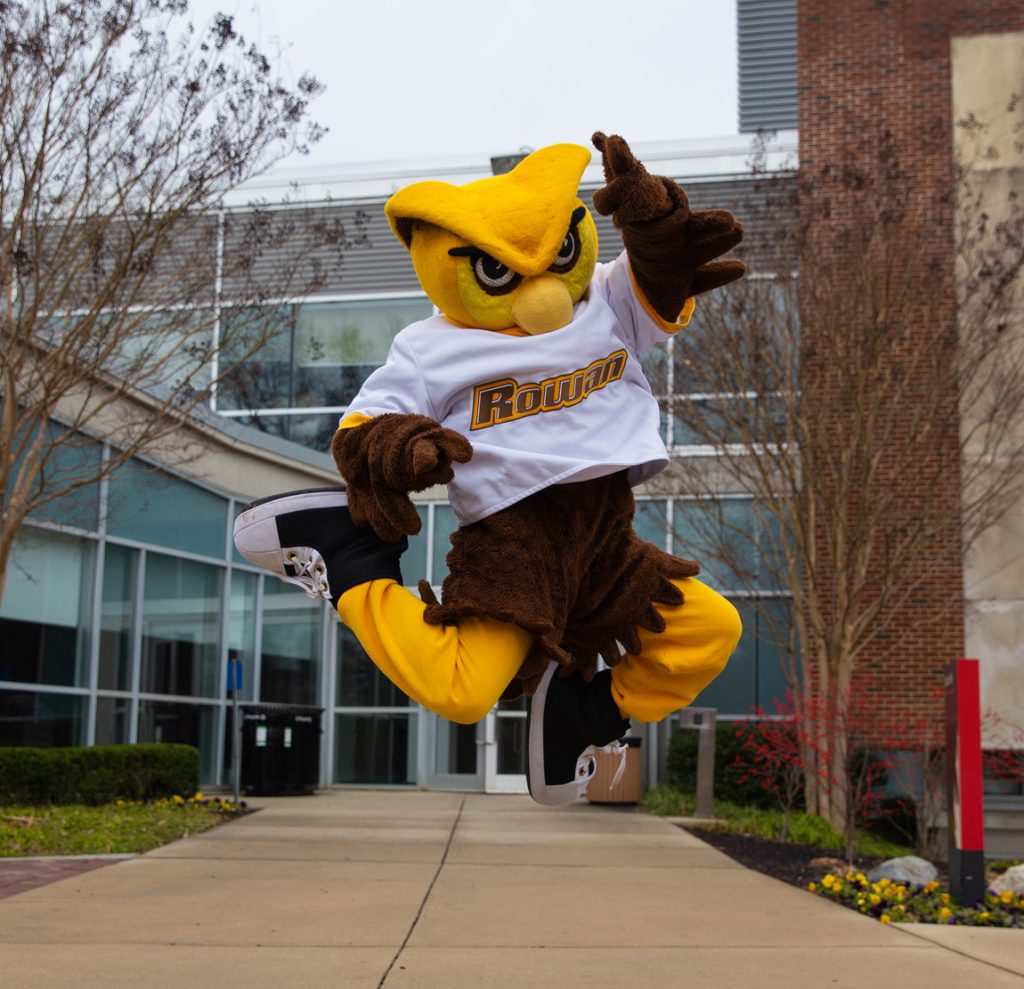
(629, 788)
(280, 749)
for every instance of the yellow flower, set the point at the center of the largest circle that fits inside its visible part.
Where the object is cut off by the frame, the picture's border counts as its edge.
(984, 915)
(828, 881)
(884, 882)
(885, 919)
(875, 899)
(944, 898)
(1006, 896)
(178, 800)
(812, 887)
(198, 798)
(931, 887)
(945, 913)
(861, 878)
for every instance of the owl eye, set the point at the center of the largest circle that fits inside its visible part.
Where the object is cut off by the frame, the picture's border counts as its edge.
(568, 254)
(494, 277)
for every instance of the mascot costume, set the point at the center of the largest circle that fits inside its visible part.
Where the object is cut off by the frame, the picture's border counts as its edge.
(526, 397)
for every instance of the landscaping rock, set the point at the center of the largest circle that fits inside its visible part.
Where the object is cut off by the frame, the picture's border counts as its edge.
(1012, 880)
(910, 869)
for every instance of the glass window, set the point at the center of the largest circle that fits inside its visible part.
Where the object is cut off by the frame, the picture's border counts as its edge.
(41, 720)
(774, 628)
(180, 627)
(117, 617)
(455, 749)
(151, 507)
(720, 536)
(339, 344)
(242, 628)
(734, 691)
(707, 422)
(375, 748)
(113, 720)
(319, 354)
(360, 683)
(754, 676)
(260, 379)
(173, 347)
(414, 559)
(290, 660)
(512, 742)
(655, 364)
(444, 526)
(651, 521)
(67, 459)
(184, 724)
(46, 609)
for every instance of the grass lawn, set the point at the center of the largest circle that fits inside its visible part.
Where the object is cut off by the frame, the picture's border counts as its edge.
(118, 828)
(804, 829)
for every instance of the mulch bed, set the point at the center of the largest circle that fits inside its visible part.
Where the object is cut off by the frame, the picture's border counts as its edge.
(780, 860)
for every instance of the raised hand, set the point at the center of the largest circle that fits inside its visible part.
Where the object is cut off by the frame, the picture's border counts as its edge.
(671, 248)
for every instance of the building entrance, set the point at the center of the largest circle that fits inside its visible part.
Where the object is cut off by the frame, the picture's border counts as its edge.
(488, 757)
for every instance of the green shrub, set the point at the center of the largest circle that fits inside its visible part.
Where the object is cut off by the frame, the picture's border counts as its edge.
(681, 767)
(97, 774)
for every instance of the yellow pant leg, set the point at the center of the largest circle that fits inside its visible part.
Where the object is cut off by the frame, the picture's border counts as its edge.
(675, 665)
(458, 673)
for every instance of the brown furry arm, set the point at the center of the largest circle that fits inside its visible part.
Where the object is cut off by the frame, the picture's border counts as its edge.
(384, 459)
(670, 247)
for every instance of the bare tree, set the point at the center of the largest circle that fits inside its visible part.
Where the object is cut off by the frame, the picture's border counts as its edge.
(868, 395)
(127, 293)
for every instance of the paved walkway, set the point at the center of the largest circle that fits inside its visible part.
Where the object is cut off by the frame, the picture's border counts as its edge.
(356, 889)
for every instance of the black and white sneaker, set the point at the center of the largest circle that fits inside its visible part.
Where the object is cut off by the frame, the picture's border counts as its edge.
(568, 721)
(308, 538)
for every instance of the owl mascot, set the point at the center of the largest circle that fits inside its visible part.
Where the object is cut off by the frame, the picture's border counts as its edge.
(525, 395)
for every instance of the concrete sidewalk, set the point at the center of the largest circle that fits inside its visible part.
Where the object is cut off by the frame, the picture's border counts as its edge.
(448, 891)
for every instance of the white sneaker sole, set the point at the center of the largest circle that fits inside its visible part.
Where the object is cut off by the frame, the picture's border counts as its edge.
(255, 532)
(561, 794)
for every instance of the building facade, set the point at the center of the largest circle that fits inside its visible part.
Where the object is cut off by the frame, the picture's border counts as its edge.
(123, 609)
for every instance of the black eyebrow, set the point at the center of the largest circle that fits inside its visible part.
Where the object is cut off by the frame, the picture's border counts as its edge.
(466, 251)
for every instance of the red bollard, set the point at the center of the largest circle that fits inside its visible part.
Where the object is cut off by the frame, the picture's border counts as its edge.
(964, 799)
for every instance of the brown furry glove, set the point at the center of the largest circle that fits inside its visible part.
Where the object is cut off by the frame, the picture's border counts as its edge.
(384, 459)
(670, 247)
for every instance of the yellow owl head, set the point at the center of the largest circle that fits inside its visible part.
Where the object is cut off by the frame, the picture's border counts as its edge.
(516, 251)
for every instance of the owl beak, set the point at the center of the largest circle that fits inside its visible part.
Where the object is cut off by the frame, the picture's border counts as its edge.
(542, 304)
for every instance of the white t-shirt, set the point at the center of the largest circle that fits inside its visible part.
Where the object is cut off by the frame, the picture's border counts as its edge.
(558, 407)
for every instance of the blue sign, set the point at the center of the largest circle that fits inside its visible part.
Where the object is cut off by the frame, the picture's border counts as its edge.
(234, 675)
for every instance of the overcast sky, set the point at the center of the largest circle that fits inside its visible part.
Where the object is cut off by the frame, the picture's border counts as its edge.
(413, 79)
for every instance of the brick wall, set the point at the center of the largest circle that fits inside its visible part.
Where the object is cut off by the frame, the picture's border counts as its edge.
(873, 72)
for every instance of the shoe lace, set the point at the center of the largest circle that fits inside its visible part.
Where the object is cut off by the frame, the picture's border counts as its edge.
(612, 748)
(310, 572)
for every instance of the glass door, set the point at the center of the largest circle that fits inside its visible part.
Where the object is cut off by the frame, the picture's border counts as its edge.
(488, 757)
(505, 751)
(455, 756)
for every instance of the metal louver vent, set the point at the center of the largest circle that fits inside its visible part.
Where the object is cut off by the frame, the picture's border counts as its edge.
(767, 64)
